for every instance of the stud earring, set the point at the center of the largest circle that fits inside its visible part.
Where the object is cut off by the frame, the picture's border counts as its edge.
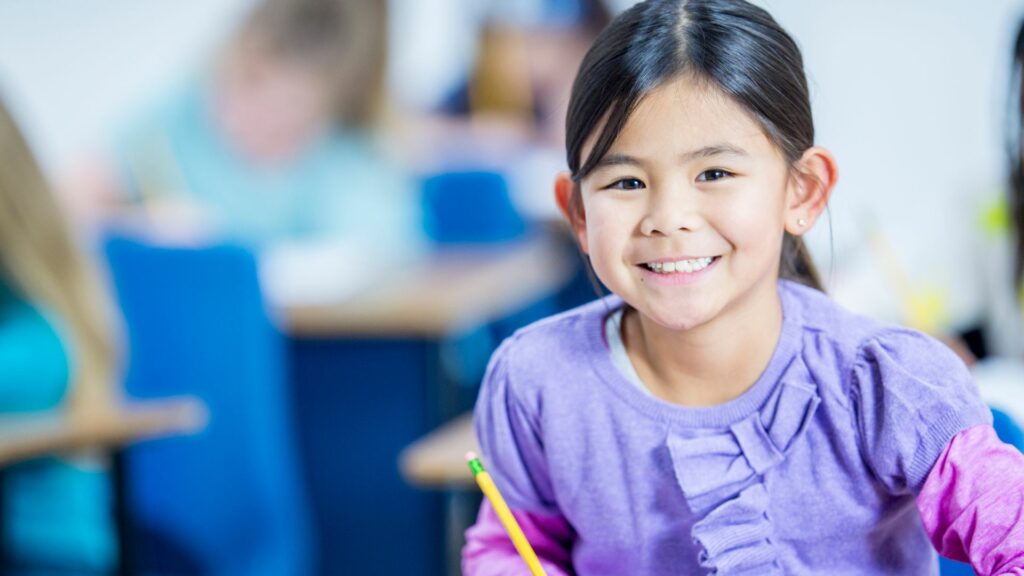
(801, 222)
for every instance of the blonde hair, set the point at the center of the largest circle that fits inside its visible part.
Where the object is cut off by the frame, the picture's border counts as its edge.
(346, 40)
(41, 261)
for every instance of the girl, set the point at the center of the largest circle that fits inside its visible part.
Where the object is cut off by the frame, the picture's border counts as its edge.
(719, 414)
(55, 353)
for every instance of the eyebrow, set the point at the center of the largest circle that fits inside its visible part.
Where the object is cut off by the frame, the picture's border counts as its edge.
(705, 152)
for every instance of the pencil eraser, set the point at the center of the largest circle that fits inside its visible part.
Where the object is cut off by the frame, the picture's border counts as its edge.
(470, 455)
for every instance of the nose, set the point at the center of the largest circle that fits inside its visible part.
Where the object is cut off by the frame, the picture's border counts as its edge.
(670, 210)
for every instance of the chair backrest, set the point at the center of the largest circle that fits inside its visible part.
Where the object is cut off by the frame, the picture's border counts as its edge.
(228, 500)
(466, 207)
(1007, 429)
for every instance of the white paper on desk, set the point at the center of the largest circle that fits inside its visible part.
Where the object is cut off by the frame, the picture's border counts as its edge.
(314, 272)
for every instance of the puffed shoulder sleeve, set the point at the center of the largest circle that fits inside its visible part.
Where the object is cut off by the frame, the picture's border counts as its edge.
(510, 436)
(911, 395)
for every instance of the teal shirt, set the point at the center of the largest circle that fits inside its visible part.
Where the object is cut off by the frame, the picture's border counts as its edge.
(56, 514)
(34, 369)
(339, 187)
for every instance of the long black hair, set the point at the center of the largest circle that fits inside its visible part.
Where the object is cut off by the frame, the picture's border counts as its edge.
(735, 46)
(1016, 158)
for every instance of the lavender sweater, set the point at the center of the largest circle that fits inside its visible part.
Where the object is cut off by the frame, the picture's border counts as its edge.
(813, 470)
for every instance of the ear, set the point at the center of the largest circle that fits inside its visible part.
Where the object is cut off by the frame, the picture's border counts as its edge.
(571, 211)
(814, 177)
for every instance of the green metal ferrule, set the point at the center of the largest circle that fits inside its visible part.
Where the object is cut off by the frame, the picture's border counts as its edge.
(476, 466)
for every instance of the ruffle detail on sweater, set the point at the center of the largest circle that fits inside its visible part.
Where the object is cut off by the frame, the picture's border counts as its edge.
(722, 473)
(736, 537)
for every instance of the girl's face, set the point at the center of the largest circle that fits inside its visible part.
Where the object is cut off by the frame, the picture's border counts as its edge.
(268, 107)
(684, 217)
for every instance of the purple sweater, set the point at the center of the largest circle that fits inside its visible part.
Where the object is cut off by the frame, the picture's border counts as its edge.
(813, 470)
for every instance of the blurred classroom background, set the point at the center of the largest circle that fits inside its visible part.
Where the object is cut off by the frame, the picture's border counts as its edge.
(317, 219)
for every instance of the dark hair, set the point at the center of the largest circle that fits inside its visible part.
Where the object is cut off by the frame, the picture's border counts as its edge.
(1016, 200)
(731, 44)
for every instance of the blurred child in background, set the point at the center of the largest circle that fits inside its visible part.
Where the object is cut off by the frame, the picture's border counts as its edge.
(56, 353)
(516, 90)
(506, 111)
(274, 143)
(523, 72)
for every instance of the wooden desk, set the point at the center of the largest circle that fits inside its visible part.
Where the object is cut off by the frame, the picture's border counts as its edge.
(453, 289)
(438, 459)
(28, 436)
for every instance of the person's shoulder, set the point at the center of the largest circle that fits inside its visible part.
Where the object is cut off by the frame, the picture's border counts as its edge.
(569, 322)
(356, 146)
(557, 342)
(828, 322)
(361, 158)
(33, 356)
(853, 345)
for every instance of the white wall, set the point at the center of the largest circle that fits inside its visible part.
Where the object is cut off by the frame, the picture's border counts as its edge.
(909, 95)
(72, 70)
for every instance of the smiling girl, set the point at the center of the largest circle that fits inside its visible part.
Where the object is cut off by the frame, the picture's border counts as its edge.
(719, 413)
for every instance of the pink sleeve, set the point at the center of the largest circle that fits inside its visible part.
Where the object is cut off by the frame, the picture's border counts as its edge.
(972, 503)
(489, 550)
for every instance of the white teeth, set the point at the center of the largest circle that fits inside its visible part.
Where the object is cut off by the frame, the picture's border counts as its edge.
(685, 266)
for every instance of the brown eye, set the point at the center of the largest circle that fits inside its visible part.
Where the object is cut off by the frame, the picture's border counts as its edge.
(627, 184)
(713, 174)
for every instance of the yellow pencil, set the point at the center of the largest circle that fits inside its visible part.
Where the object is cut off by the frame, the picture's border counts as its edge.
(511, 526)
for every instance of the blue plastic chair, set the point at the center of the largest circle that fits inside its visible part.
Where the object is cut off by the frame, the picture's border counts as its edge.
(474, 207)
(469, 207)
(1010, 433)
(228, 500)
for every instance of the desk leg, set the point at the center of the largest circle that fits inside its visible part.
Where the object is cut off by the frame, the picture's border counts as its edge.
(3, 535)
(358, 404)
(125, 543)
(461, 508)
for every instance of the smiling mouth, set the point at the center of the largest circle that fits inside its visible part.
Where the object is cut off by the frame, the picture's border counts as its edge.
(684, 266)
